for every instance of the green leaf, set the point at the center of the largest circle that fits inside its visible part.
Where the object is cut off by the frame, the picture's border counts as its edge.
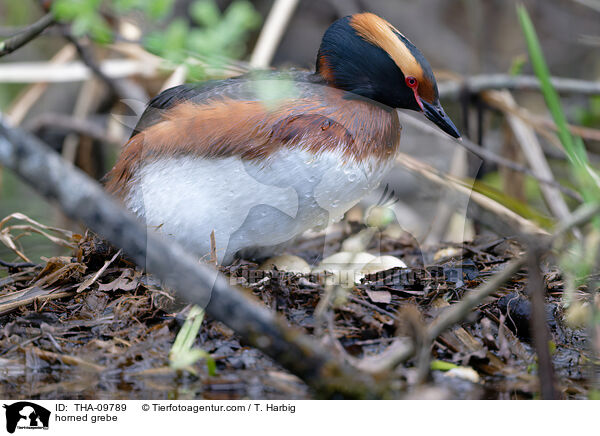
(157, 9)
(124, 6)
(205, 12)
(243, 13)
(67, 10)
(440, 365)
(170, 43)
(196, 72)
(182, 355)
(82, 25)
(100, 31)
(517, 66)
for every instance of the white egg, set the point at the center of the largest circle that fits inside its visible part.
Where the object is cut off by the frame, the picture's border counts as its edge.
(287, 263)
(382, 263)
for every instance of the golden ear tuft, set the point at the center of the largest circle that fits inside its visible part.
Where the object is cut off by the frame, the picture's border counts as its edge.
(382, 34)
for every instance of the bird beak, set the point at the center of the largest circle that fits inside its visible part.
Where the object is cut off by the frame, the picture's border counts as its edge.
(435, 113)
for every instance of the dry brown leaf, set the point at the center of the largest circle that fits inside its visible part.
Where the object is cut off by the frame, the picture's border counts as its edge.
(59, 269)
(90, 280)
(128, 281)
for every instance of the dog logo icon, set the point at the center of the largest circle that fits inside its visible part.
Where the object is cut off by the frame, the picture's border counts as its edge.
(26, 415)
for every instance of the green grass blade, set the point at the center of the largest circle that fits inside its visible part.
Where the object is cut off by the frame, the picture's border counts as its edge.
(574, 146)
(543, 74)
(182, 355)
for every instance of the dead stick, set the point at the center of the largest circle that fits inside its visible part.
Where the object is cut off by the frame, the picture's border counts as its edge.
(489, 212)
(69, 360)
(272, 32)
(122, 88)
(477, 84)
(25, 35)
(69, 123)
(83, 199)
(472, 299)
(456, 313)
(452, 315)
(484, 154)
(532, 149)
(539, 326)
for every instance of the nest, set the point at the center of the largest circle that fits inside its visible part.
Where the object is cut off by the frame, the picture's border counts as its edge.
(92, 325)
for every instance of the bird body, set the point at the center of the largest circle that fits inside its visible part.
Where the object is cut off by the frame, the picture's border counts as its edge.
(262, 158)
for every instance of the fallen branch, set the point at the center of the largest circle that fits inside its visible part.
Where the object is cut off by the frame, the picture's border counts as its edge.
(83, 199)
(25, 35)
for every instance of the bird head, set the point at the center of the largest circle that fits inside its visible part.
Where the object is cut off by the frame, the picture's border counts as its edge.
(365, 55)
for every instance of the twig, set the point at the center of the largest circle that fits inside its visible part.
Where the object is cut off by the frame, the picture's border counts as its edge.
(492, 214)
(539, 326)
(28, 296)
(539, 123)
(448, 318)
(69, 123)
(25, 35)
(33, 72)
(456, 313)
(472, 299)
(372, 307)
(536, 158)
(32, 94)
(580, 216)
(477, 84)
(69, 360)
(90, 281)
(88, 99)
(214, 260)
(484, 153)
(16, 265)
(83, 199)
(271, 33)
(177, 77)
(118, 87)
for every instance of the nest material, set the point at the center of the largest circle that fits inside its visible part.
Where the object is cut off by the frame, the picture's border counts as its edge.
(93, 325)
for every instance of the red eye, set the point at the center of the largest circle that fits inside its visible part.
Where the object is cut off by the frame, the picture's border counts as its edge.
(411, 82)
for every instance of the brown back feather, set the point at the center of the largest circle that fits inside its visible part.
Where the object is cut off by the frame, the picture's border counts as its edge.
(251, 130)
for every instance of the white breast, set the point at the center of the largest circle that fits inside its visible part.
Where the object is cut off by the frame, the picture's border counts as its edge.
(249, 205)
